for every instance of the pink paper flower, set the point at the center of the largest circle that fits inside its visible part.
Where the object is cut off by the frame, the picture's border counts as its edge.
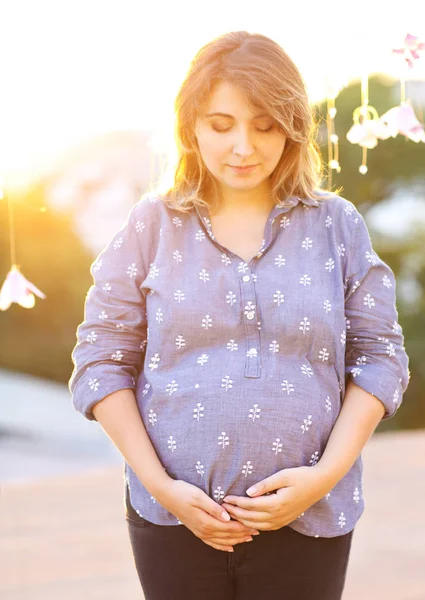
(401, 120)
(411, 47)
(18, 289)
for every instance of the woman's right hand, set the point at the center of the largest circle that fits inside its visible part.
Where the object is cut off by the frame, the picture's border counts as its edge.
(202, 515)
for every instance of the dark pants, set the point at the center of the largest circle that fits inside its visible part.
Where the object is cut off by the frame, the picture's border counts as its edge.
(174, 564)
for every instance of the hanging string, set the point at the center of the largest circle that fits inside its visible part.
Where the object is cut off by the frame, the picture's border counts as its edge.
(12, 240)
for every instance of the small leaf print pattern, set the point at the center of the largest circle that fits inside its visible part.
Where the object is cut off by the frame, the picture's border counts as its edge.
(284, 222)
(198, 411)
(341, 250)
(226, 382)
(153, 271)
(177, 256)
(306, 370)
(172, 444)
(368, 301)
(243, 267)
(304, 325)
(356, 495)
(231, 298)
(306, 425)
(154, 361)
(343, 338)
(180, 341)
(361, 360)
(328, 404)
(218, 493)
(278, 298)
(324, 354)
(107, 287)
(171, 387)
(254, 413)
(327, 306)
(117, 355)
(103, 316)
(132, 270)
(252, 353)
(177, 222)
(247, 469)
(207, 322)
(307, 243)
(146, 389)
(118, 243)
(274, 346)
(94, 384)
(223, 439)
(232, 346)
(305, 280)
(279, 261)
(200, 235)
(396, 396)
(199, 468)
(202, 360)
(152, 417)
(225, 259)
(314, 458)
(91, 338)
(97, 265)
(355, 371)
(287, 387)
(179, 296)
(204, 275)
(277, 446)
(371, 257)
(386, 281)
(342, 520)
(330, 265)
(328, 221)
(140, 226)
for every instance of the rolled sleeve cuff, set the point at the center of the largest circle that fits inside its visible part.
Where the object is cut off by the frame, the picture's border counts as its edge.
(96, 384)
(380, 382)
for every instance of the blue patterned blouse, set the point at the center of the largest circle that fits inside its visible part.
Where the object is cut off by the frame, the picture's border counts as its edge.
(239, 370)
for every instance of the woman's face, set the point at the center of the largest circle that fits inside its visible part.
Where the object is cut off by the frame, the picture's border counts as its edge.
(230, 135)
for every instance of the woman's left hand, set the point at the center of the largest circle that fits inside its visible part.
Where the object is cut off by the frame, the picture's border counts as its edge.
(296, 490)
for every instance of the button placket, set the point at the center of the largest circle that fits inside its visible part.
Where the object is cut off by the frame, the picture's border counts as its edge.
(252, 335)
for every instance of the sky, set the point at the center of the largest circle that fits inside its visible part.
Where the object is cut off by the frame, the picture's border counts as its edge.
(75, 69)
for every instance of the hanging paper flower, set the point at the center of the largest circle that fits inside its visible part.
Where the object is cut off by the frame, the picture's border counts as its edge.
(365, 134)
(412, 45)
(18, 289)
(402, 120)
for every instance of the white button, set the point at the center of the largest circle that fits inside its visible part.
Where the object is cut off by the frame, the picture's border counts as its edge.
(246, 278)
(250, 316)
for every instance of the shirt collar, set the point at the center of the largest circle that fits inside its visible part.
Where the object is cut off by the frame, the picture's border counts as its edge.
(290, 202)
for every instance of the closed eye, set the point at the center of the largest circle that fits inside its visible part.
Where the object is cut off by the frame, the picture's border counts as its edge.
(229, 128)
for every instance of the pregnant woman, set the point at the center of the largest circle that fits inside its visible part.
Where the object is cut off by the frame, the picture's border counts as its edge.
(240, 345)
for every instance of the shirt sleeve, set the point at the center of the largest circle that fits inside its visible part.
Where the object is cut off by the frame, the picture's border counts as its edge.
(376, 358)
(112, 337)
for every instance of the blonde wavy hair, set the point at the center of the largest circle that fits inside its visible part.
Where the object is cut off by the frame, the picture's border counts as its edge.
(271, 81)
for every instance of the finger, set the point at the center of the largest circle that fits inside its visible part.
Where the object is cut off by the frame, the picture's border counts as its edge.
(230, 541)
(219, 547)
(248, 515)
(232, 527)
(258, 503)
(214, 509)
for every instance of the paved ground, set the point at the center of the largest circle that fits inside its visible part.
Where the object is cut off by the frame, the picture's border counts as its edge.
(65, 538)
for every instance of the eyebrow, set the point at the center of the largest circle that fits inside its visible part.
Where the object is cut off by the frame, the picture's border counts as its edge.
(220, 114)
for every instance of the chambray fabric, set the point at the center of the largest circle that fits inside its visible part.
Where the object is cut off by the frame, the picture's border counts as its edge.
(239, 370)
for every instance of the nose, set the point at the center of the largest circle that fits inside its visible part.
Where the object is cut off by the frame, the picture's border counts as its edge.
(243, 145)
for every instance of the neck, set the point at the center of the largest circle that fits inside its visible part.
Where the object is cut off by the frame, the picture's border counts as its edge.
(256, 201)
